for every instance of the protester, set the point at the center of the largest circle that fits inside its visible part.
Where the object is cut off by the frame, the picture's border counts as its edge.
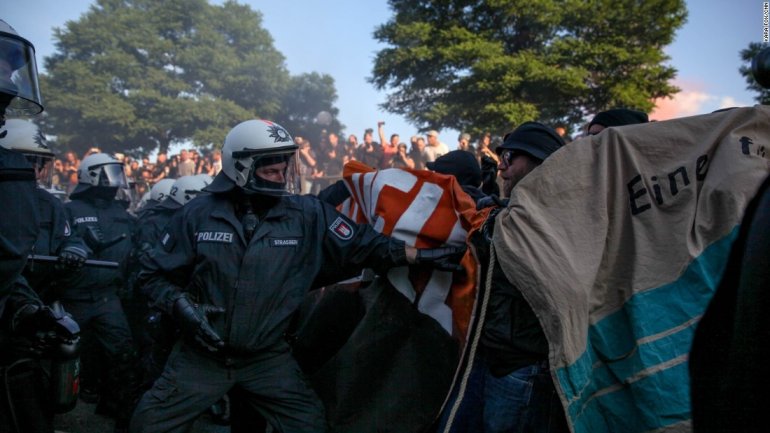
(509, 384)
(370, 152)
(463, 166)
(185, 166)
(330, 160)
(435, 147)
(162, 168)
(309, 243)
(401, 158)
(519, 393)
(464, 143)
(417, 153)
(389, 148)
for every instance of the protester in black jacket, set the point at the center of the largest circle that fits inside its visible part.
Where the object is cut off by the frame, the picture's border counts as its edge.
(231, 269)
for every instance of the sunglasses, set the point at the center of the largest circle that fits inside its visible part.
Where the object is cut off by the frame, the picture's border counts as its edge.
(507, 157)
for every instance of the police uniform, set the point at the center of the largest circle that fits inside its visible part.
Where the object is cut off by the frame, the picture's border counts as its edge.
(18, 230)
(157, 333)
(299, 243)
(55, 235)
(91, 294)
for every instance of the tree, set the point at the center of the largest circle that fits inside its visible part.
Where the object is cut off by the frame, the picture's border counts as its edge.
(492, 64)
(747, 55)
(310, 94)
(136, 75)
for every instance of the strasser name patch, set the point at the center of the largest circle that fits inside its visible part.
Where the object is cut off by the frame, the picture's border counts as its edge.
(342, 229)
(284, 242)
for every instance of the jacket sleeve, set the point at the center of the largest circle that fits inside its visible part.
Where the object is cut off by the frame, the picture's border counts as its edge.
(348, 247)
(165, 269)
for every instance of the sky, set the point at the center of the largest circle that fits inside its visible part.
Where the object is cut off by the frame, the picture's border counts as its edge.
(336, 37)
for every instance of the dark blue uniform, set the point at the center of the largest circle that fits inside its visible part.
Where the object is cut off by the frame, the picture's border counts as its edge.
(18, 230)
(91, 296)
(299, 243)
(55, 234)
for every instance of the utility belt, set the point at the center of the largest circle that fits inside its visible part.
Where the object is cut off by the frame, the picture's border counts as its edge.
(232, 357)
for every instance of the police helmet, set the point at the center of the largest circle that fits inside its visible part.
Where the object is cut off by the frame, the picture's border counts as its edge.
(256, 143)
(19, 89)
(187, 188)
(161, 189)
(25, 137)
(100, 169)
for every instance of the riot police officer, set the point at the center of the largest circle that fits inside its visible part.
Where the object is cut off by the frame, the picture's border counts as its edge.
(55, 237)
(92, 294)
(231, 268)
(26, 326)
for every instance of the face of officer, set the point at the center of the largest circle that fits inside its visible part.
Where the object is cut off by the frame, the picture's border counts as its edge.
(273, 172)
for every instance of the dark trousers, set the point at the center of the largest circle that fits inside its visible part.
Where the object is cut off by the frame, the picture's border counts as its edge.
(523, 401)
(271, 383)
(105, 317)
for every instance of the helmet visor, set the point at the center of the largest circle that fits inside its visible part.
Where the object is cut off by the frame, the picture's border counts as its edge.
(275, 174)
(18, 76)
(43, 165)
(113, 175)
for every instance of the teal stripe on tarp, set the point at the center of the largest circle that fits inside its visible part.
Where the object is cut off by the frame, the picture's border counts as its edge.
(648, 404)
(614, 354)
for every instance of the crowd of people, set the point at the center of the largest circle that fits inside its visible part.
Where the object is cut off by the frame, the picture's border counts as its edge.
(142, 173)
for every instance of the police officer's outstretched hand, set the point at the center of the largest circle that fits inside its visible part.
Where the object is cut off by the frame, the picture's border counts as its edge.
(443, 258)
(193, 321)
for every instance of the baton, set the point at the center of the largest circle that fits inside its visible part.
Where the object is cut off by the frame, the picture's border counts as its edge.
(89, 262)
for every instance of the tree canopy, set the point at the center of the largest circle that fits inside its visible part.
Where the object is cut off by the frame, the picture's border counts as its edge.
(139, 75)
(476, 65)
(747, 55)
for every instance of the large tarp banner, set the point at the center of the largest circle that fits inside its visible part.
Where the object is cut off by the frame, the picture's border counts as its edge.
(618, 242)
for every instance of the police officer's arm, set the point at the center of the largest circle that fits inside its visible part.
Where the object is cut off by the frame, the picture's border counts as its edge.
(348, 248)
(352, 247)
(165, 269)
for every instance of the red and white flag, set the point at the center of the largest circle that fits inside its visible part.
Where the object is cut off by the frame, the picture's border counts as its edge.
(426, 210)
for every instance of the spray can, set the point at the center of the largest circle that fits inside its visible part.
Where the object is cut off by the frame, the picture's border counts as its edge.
(65, 375)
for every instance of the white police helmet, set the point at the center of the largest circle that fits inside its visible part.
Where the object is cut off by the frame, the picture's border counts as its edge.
(143, 201)
(161, 189)
(100, 169)
(187, 188)
(257, 143)
(19, 89)
(25, 137)
(206, 178)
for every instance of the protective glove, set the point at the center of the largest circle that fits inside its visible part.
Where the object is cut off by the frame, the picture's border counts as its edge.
(71, 257)
(193, 321)
(443, 258)
(43, 326)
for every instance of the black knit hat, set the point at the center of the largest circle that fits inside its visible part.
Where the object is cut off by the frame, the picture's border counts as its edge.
(619, 117)
(532, 138)
(460, 164)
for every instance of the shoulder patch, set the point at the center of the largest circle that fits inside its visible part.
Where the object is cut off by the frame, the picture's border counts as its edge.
(342, 229)
(67, 230)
